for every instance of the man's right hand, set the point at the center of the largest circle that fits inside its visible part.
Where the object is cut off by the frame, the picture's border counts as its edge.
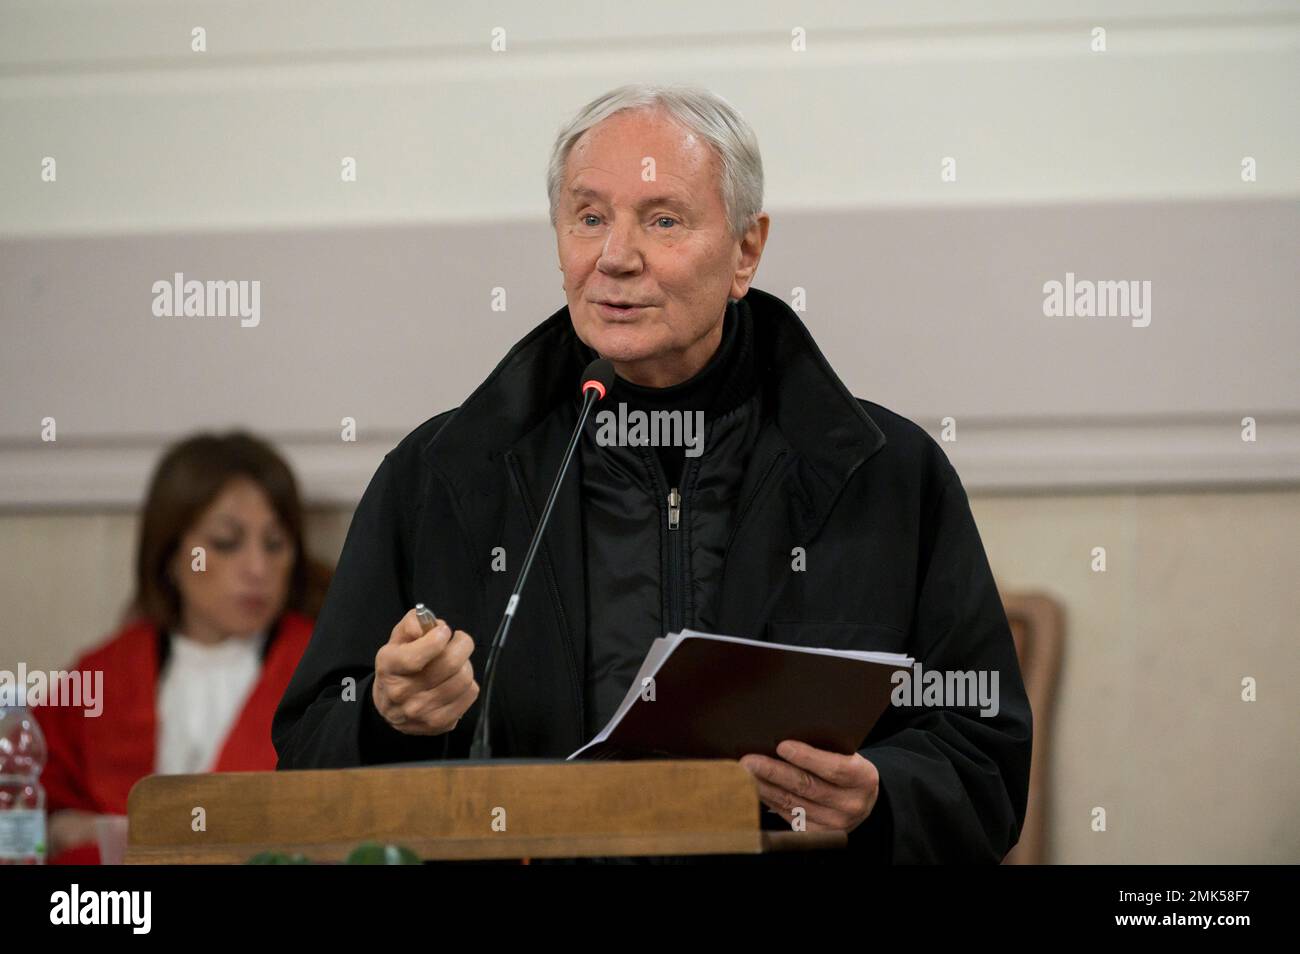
(424, 682)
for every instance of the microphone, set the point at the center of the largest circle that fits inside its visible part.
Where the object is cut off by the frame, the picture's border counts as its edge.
(597, 379)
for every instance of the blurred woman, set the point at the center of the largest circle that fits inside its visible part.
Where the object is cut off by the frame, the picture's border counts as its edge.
(217, 624)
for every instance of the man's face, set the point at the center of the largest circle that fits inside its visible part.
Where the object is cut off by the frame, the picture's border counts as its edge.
(660, 242)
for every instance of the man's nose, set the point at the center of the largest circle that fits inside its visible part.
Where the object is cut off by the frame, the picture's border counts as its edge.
(621, 253)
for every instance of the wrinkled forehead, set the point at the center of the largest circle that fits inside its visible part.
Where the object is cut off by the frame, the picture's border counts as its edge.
(643, 151)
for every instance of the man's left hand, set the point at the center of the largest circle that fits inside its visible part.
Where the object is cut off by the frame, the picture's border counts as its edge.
(837, 792)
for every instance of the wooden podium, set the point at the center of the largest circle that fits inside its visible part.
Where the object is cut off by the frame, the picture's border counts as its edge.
(459, 811)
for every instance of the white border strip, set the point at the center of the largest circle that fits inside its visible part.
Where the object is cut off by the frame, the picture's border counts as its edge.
(1151, 453)
(990, 455)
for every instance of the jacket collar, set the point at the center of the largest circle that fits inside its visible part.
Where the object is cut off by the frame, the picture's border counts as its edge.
(815, 416)
(531, 391)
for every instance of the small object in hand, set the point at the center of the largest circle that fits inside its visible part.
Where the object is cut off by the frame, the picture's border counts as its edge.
(425, 616)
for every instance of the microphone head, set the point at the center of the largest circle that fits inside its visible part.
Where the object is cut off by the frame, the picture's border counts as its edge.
(598, 377)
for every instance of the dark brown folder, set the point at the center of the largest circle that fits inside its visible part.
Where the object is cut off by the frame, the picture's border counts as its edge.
(724, 697)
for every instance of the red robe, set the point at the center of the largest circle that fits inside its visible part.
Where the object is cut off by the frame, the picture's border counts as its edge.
(93, 762)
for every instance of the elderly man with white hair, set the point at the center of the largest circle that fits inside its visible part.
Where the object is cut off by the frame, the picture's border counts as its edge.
(802, 515)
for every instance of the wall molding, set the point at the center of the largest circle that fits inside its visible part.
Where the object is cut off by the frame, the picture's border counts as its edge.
(1150, 453)
(109, 475)
(991, 455)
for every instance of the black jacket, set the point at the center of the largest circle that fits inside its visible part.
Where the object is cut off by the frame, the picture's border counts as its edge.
(893, 562)
(653, 568)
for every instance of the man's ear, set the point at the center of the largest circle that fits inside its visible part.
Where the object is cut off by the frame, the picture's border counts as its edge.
(751, 250)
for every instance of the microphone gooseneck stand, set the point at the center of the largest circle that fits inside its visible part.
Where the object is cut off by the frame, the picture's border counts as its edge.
(596, 382)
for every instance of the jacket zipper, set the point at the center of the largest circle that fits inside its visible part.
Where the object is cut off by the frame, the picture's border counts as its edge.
(674, 560)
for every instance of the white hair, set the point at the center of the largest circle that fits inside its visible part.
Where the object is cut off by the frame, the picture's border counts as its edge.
(704, 113)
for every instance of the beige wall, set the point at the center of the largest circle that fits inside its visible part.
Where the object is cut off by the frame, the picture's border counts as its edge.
(1198, 592)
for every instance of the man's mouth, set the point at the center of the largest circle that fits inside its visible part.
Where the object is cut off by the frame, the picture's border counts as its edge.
(619, 310)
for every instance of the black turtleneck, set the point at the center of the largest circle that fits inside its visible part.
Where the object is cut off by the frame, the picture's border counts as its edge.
(724, 383)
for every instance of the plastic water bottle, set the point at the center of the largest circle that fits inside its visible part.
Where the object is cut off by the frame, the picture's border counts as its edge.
(22, 799)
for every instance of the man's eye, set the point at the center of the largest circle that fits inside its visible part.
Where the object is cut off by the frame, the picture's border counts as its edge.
(667, 218)
(589, 215)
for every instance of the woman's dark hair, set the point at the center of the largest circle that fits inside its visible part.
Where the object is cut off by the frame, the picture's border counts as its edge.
(188, 478)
